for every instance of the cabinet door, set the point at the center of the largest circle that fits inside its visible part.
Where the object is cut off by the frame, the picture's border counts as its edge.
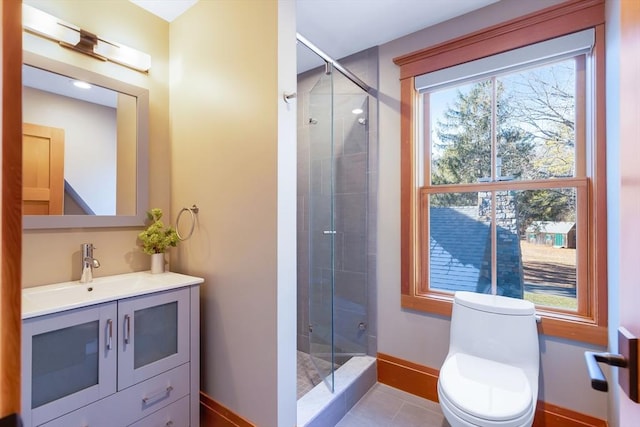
(153, 335)
(69, 360)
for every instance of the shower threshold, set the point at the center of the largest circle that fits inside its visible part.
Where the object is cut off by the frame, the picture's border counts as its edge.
(319, 407)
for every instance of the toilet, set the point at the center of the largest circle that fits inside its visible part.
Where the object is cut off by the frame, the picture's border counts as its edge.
(490, 375)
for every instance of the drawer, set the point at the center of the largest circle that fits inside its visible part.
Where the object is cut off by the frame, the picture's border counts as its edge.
(97, 414)
(147, 397)
(174, 415)
(128, 406)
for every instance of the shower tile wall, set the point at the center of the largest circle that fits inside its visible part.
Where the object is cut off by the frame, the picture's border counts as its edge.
(355, 168)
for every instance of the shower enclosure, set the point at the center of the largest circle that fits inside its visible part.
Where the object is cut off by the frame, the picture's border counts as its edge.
(333, 231)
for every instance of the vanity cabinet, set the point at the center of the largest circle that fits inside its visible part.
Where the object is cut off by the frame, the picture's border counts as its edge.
(132, 361)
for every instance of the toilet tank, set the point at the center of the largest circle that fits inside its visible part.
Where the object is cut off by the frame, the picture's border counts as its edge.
(495, 327)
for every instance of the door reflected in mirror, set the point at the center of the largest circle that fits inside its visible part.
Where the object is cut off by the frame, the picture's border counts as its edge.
(79, 147)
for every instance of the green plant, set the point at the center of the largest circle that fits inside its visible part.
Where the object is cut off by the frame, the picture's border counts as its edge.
(157, 238)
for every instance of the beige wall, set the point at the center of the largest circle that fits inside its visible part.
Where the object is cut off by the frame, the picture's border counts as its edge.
(228, 153)
(51, 256)
(423, 338)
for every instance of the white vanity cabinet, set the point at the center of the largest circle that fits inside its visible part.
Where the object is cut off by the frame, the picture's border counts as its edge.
(130, 361)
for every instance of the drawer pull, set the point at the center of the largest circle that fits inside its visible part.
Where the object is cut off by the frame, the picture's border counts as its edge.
(169, 423)
(157, 395)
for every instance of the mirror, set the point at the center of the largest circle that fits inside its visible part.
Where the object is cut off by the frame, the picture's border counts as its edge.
(92, 143)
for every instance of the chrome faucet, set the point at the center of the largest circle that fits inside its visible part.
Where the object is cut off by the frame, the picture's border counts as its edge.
(88, 263)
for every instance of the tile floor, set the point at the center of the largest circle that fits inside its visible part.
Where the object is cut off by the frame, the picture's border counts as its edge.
(385, 406)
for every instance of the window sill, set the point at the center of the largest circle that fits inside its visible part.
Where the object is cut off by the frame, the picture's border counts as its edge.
(569, 327)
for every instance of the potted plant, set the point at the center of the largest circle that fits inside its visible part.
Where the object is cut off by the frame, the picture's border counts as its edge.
(156, 239)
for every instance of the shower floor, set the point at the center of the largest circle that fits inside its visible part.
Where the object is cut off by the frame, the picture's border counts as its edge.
(308, 376)
(321, 407)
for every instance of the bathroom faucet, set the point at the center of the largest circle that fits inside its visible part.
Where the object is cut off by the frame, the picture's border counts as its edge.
(88, 263)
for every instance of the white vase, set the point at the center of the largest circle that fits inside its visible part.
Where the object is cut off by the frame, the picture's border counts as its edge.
(157, 263)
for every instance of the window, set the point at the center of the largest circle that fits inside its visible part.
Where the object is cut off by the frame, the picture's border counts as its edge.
(503, 173)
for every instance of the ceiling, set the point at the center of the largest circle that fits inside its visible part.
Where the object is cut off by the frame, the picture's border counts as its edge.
(62, 85)
(343, 27)
(165, 9)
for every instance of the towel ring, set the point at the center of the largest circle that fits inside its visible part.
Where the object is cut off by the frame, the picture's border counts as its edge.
(193, 210)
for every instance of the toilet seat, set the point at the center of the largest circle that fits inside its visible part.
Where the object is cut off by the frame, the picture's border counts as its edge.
(457, 418)
(485, 392)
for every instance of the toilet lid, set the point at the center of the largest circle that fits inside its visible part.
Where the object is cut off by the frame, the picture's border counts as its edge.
(484, 388)
(495, 303)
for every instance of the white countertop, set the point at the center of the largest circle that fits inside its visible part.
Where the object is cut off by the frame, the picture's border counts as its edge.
(47, 299)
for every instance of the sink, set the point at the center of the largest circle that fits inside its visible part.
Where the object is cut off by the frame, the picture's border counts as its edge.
(47, 299)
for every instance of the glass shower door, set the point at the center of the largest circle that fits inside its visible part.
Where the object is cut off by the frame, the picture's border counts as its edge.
(338, 212)
(321, 227)
(350, 196)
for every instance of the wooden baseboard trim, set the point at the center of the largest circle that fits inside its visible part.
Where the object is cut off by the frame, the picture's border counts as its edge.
(423, 381)
(549, 415)
(408, 376)
(213, 414)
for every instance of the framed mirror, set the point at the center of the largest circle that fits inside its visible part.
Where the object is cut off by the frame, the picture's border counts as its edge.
(85, 150)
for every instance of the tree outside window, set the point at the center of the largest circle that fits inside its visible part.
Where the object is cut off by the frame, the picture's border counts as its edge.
(510, 138)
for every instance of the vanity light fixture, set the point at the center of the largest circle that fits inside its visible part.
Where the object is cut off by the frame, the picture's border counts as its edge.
(81, 85)
(68, 35)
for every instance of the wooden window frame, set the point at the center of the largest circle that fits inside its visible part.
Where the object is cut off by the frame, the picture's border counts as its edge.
(572, 16)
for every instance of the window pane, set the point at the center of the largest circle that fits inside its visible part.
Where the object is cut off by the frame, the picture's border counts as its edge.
(535, 244)
(460, 133)
(536, 121)
(459, 242)
(509, 260)
(546, 224)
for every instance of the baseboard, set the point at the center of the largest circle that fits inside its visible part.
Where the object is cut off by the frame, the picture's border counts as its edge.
(213, 414)
(549, 415)
(423, 381)
(408, 376)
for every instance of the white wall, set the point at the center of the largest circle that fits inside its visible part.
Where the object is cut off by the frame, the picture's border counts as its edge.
(623, 192)
(286, 331)
(89, 143)
(423, 338)
(613, 190)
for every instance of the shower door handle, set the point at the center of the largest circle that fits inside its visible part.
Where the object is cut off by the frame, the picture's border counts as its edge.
(329, 232)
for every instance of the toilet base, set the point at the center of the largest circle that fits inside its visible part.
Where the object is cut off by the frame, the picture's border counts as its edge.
(456, 421)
